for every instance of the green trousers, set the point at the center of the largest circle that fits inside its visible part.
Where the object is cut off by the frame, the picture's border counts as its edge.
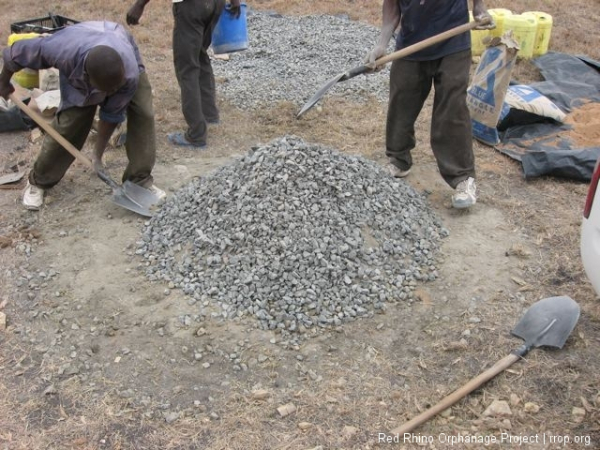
(74, 124)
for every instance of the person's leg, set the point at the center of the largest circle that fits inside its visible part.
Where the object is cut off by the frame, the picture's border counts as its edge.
(141, 135)
(409, 87)
(451, 139)
(74, 124)
(207, 78)
(188, 35)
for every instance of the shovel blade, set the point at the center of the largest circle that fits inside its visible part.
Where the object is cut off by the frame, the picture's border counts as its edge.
(119, 198)
(548, 322)
(140, 195)
(135, 198)
(320, 93)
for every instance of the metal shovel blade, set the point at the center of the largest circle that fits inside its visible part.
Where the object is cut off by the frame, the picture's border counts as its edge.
(124, 201)
(130, 195)
(548, 322)
(140, 195)
(315, 98)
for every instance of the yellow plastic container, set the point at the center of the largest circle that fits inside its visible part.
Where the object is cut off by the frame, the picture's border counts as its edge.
(477, 37)
(27, 78)
(524, 28)
(499, 15)
(543, 32)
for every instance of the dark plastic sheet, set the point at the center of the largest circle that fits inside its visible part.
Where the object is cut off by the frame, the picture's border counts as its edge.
(570, 81)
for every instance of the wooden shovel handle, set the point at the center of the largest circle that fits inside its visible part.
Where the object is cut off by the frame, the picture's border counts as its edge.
(37, 118)
(429, 42)
(451, 399)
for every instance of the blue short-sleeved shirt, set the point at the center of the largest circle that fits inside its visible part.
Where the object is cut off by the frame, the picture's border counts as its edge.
(422, 19)
(67, 50)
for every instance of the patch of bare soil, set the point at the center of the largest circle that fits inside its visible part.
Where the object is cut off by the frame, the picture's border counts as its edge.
(94, 356)
(585, 121)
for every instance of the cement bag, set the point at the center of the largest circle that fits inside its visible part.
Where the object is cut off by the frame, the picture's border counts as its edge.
(485, 96)
(524, 105)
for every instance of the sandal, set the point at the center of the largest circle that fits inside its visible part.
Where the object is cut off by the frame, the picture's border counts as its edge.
(179, 139)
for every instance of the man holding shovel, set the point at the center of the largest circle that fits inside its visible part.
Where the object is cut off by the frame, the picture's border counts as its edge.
(99, 65)
(444, 65)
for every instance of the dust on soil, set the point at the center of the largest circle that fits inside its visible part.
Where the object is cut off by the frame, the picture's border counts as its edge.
(95, 356)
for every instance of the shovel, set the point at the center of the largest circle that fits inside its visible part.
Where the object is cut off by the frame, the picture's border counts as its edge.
(547, 323)
(130, 196)
(391, 57)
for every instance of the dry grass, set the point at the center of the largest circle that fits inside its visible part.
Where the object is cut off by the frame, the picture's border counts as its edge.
(365, 386)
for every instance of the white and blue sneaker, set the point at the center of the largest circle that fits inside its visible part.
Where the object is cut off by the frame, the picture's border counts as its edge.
(465, 195)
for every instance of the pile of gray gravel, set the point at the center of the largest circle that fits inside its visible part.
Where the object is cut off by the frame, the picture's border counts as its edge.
(295, 235)
(290, 58)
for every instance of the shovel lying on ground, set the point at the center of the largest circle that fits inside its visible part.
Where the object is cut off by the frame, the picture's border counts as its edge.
(547, 323)
(388, 58)
(129, 196)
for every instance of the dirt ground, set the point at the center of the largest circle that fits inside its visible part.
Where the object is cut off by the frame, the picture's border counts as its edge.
(94, 356)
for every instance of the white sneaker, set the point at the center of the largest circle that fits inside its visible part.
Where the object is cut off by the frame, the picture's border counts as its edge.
(160, 194)
(466, 194)
(33, 197)
(397, 172)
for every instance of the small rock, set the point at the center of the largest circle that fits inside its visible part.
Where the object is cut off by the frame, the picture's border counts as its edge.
(305, 426)
(35, 135)
(531, 408)
(514, 400)
(171, 417)
(262, 358)
(286, 410)
(261, 394)
(51, 390)
(206, 365)
(498, 408)
(446, 413)
(340, 383)
(2, 321)
(349, 431)
(578, 414)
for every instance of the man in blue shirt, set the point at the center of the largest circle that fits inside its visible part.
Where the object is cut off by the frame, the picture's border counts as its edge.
(446, 66)
(99, 66)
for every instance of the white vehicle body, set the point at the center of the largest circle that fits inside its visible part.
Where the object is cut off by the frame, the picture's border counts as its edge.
(590, 231)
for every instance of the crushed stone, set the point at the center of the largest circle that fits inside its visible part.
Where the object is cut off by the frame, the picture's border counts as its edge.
(295, 235)
(289, 58)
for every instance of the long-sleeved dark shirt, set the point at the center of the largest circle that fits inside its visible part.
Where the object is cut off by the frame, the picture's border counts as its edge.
(67, 50)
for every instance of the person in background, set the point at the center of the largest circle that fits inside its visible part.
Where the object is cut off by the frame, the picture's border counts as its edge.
(99, 66)
(444, 65)
(194, 22)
